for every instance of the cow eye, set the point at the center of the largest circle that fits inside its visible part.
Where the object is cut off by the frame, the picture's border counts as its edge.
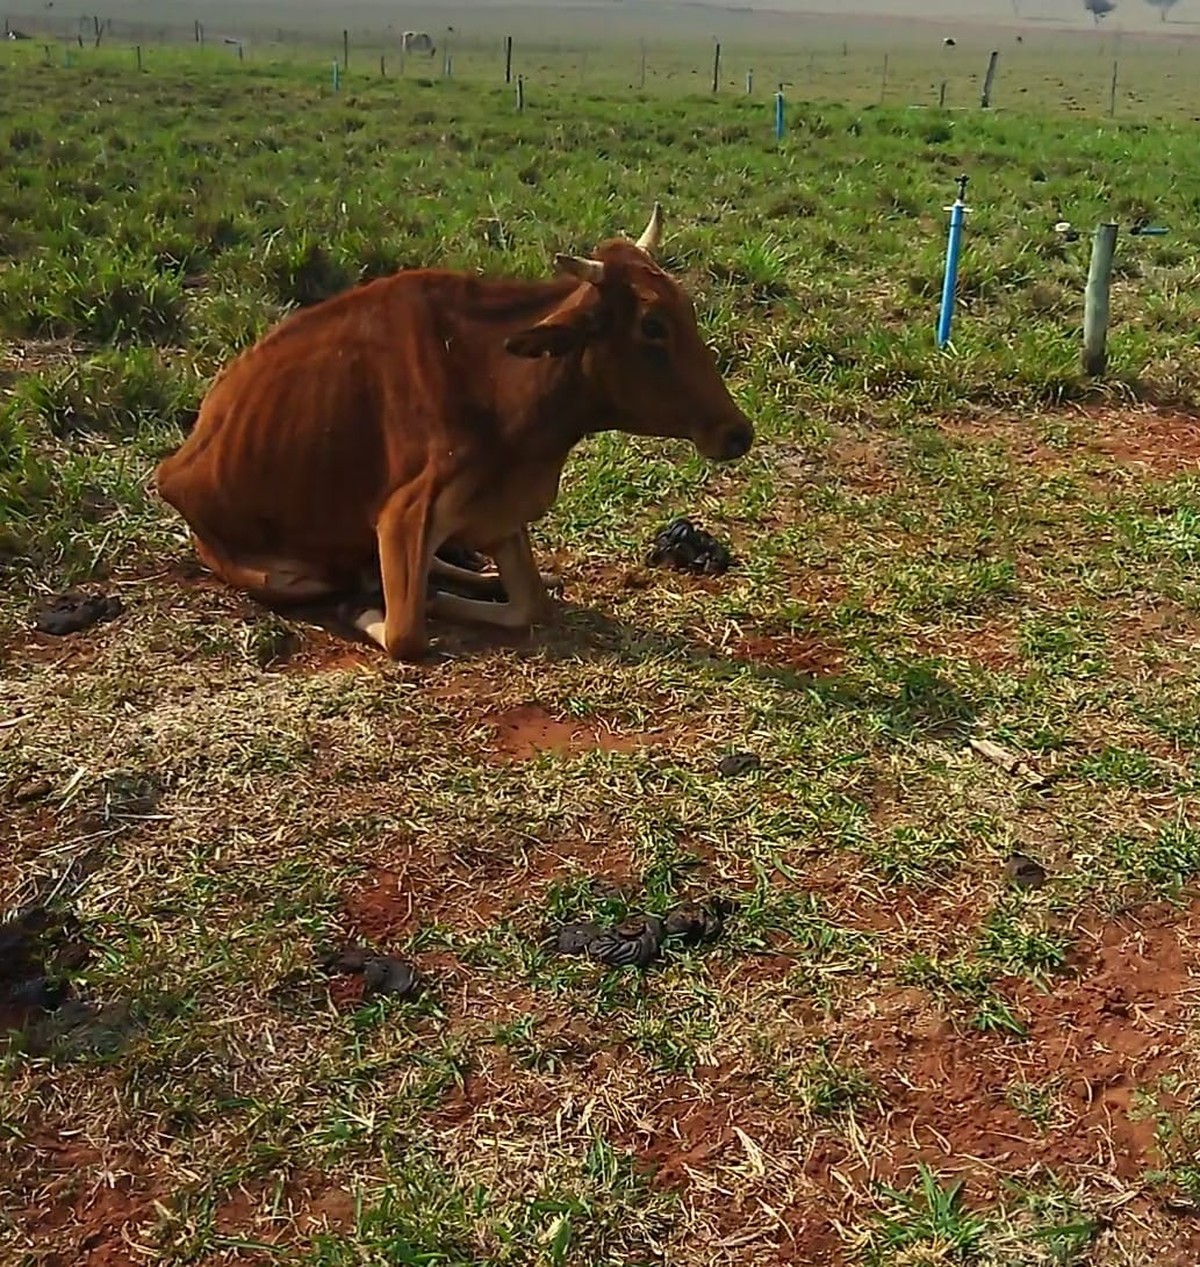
(654, 329)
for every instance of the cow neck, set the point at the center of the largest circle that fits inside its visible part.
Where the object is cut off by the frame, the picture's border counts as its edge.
(548, 399)
(567, 408)
(514, 302)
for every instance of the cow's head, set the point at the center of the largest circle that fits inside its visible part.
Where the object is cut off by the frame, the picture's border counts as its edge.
(634, 331)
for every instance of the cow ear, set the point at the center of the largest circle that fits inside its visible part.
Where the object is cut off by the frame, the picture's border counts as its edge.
(560, 334)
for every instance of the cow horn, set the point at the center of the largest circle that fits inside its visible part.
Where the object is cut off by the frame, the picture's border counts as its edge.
(651, 237)
(585, 270)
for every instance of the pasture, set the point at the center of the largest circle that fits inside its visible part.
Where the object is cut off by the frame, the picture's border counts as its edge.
(895, 1052)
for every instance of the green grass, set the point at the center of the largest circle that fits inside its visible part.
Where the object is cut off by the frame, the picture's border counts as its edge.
(932, 546)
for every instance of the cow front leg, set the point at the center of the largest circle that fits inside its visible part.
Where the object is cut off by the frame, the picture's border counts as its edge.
(405, 552)
(527, 603)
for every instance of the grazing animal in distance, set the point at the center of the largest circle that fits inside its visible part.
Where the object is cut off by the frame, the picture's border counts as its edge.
(418, 42)
(432, 409)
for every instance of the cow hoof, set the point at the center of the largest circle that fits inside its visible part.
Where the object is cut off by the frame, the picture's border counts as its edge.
(408, 650)
(351, 611)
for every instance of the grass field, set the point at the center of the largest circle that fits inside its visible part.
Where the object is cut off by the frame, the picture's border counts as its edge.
(932, 548)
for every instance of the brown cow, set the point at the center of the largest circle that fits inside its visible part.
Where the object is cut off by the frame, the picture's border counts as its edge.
(433, 408)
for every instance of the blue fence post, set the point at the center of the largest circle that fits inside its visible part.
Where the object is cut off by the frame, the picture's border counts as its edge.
(958, 213)
(779, 114)
(337, 75)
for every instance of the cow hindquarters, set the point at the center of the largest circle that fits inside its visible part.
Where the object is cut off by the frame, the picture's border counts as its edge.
(527, 599)
(483, 584)
(276, 582)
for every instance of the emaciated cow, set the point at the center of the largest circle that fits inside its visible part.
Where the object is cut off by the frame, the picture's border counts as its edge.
(434, 408)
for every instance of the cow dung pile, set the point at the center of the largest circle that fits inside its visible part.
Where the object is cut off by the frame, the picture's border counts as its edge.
(381, 974)
(639, 940)
(39, 949)
(72, 613)
(738, 763)
(686, 547)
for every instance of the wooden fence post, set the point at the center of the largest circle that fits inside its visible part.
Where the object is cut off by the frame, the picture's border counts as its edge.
(986, 99)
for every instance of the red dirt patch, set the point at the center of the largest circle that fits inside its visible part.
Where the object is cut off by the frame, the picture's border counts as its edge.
(816, 588)
(470, 887)
(810, 657)
(1142, 439)
(25, 828)
(950, 1097)
(993, 645)
(523, 732)
(728, 1122)
(1113, 1028)
(1146, 440)
(461, 684)
(273, 1209)
(1164, 634)
(926, 919)
(88, 1204)
(397, 900)
(346, 992)
(1016, 434)
(862, 463)
(497, 1089)
(327, 1207)
(694, 1120)
(92, 1208)
(317, 651)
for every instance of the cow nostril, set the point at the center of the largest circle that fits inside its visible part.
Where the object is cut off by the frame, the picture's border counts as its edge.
(737, 445)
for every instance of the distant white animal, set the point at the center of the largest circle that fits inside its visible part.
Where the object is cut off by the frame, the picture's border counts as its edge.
(418, 42)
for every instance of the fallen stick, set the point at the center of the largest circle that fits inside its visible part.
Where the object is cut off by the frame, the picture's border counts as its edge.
(1009, 762)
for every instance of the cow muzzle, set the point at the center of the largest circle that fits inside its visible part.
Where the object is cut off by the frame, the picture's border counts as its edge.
(728, 443)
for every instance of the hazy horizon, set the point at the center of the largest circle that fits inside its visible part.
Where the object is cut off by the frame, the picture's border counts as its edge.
(1129, 15)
